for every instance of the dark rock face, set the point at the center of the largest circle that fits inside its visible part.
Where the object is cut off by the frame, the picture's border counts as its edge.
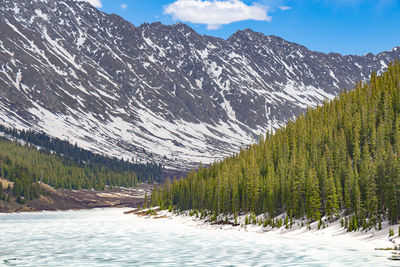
(152, 91)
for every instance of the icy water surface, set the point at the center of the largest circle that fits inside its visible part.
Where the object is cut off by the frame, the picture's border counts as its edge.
(106, 237)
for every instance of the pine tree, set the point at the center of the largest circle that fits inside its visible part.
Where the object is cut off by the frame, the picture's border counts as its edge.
(145, 201)
(313, 203)
(332, 207)
(348, 188)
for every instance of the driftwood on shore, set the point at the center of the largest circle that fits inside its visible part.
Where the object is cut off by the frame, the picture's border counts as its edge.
(130, 211)
(144, 212)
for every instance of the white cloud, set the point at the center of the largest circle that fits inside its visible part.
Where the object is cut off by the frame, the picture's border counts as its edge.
(215, 13)
(95, 3)
(214, 26)
(123, 6)
(284, 8)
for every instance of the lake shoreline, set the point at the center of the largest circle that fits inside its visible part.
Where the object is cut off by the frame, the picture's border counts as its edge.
(98, 237)
(331, 234)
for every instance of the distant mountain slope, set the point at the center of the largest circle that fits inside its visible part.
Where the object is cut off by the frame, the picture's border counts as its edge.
(27, 167)
(156, 92)
(81, 157)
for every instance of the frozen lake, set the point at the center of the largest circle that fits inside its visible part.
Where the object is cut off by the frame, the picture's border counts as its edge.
(107, 237)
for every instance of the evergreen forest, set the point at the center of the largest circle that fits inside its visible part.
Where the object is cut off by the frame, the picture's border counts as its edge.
(26, 166)
(339, 159)
(82, 157)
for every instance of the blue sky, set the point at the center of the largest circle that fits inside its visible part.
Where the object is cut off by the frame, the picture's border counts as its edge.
(343, 26)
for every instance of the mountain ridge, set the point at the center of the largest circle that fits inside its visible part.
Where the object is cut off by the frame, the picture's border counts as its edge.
(161, 93)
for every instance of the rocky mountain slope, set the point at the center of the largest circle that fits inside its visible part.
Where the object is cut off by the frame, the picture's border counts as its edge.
(156, 92)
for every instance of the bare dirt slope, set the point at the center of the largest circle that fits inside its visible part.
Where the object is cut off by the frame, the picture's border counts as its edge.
(63, 199)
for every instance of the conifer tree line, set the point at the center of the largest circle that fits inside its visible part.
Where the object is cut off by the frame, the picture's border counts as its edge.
(84, 157)
(342, 157)
(26, 167)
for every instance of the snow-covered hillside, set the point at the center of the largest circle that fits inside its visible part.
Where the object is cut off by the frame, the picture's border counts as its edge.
(156, 92)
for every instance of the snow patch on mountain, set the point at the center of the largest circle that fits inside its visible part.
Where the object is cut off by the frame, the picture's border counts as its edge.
(156, 92)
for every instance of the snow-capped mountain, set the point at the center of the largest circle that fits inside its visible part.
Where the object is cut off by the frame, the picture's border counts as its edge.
(156, 92)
